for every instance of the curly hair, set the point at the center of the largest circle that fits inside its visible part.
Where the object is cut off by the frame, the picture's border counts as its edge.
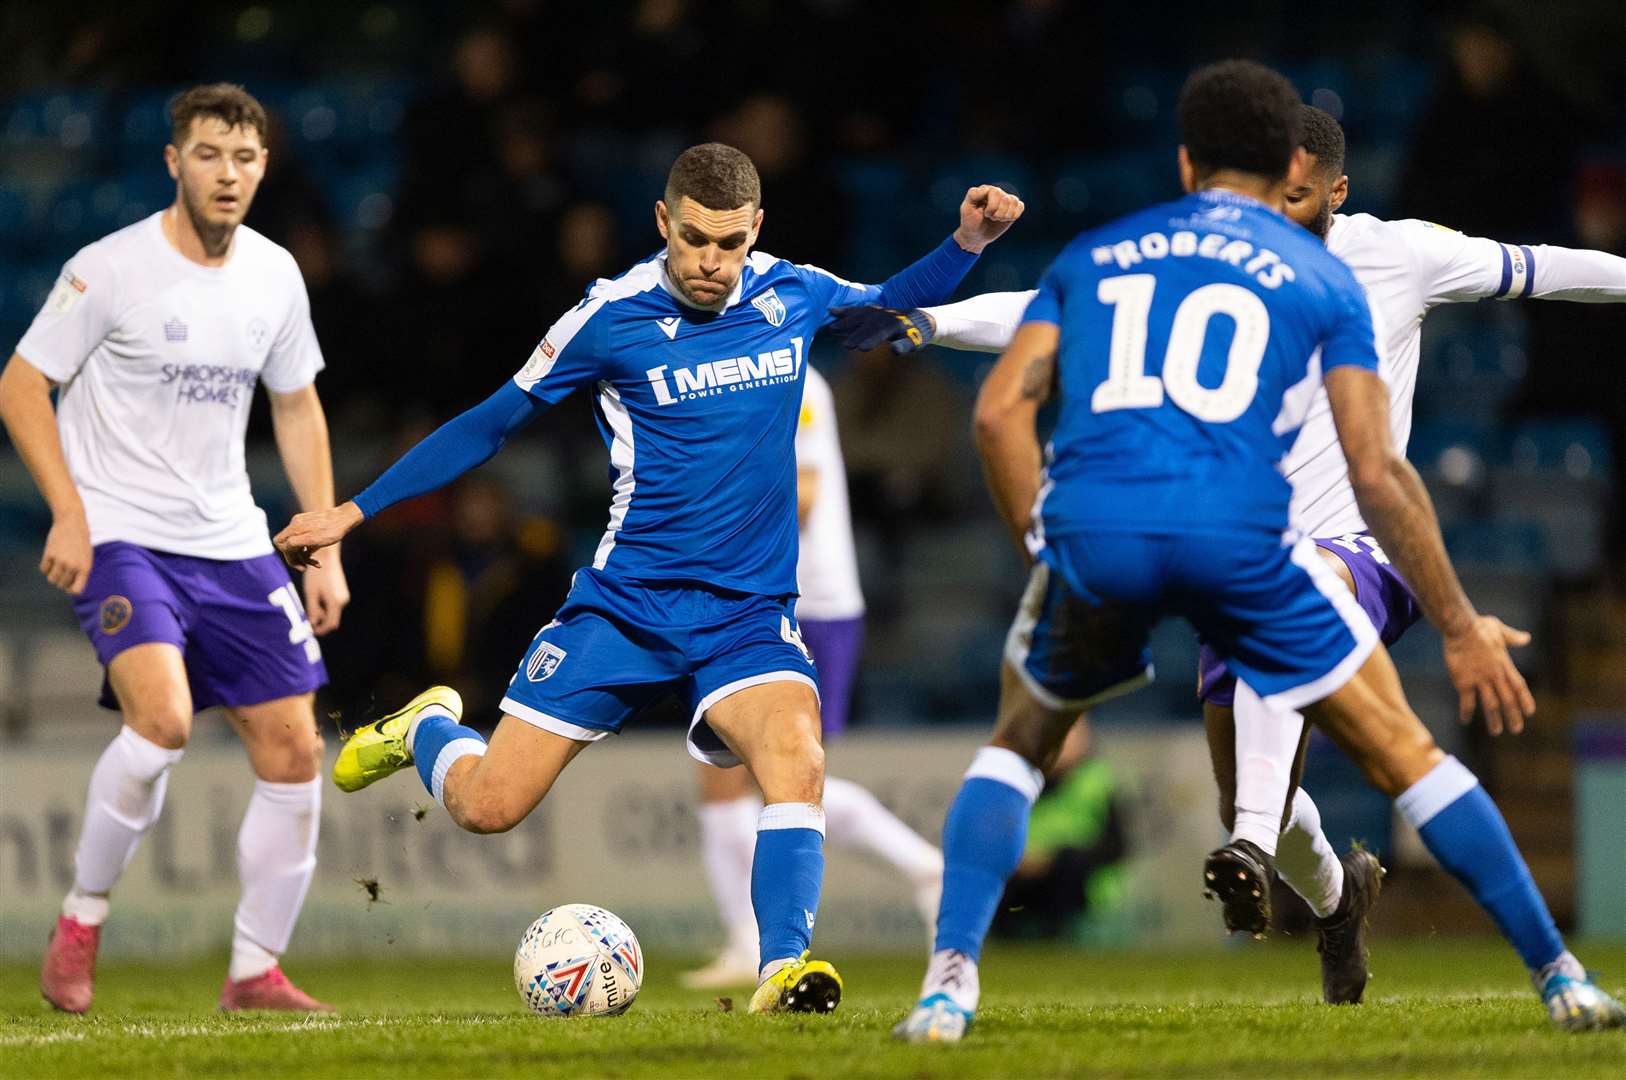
(1322, 137)
(1240, 115)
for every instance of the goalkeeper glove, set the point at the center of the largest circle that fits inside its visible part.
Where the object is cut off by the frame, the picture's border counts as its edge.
(864, 328)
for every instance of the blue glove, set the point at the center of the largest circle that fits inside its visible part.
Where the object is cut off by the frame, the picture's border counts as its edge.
(868, 327)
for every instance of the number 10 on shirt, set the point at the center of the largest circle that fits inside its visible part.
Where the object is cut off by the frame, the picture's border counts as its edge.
(1128, 386)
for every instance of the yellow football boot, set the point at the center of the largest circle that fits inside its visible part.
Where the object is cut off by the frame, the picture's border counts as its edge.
(802, 985)
(379, 749)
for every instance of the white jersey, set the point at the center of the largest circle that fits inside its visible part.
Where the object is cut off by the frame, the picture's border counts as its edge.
(827, 569)
(158, 358)
(1407, 267)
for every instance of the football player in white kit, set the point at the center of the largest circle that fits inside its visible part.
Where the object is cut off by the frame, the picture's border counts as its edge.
(1407, 268)
(155, 337)
(830, 613)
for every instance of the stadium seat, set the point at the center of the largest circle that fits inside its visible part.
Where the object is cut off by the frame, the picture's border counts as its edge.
(1460, 449)
(1090, 191)
(1143, 111)
(1577, 448)
(144, 119)
(1512, 544)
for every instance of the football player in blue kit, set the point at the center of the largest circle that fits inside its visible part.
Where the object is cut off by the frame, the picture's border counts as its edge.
(1186, 344)
(696, 358)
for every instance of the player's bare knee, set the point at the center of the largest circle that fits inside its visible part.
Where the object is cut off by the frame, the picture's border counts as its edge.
(1037, 737)
(165, 724)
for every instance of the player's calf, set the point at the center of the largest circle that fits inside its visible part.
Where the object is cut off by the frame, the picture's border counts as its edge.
(1463, 830)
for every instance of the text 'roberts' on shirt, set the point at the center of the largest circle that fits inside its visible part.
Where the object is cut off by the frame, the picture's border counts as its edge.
(1265, 265)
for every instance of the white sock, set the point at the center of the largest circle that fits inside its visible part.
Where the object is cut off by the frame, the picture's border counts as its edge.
(126, 793)
(728, 844)
(1267, 740)
(276, 859)
(1305, 860)
(855, 818)
(953, 973)
(1566, 965)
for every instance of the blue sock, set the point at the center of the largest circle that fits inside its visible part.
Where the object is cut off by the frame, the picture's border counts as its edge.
(982, 842)
(437, 742)
(1465, 832)
(787, 875)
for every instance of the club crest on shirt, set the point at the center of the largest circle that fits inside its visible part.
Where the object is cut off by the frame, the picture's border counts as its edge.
(772, 308)
(544, 662)
(174, 329)
(115, 614)
(259, 333)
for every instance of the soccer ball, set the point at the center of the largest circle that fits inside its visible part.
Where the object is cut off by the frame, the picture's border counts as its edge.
(578, 960)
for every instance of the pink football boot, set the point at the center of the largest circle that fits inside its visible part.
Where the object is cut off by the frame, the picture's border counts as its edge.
(269, 991)
(68, 976)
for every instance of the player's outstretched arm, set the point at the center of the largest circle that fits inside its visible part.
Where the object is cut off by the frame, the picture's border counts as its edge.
(984, 323)
(1397, 507)
(25, 409)
(461, 444)
(1458, 267)
(1007, 409)
(300, 427)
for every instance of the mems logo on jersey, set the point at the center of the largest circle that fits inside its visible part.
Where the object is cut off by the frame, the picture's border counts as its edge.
(731, 375)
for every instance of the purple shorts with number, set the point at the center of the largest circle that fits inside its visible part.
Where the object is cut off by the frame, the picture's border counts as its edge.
(1380, 590)
(239, 624)
(835, 645)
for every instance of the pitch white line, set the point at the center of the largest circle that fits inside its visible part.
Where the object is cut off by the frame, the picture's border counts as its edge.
(162, 1030)
(42, 1040)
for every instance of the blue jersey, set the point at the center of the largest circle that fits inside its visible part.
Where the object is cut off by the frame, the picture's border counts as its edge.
(699, 411)
(1193, 339)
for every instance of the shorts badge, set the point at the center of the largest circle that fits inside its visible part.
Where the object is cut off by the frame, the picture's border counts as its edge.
(544, 662)
(115, 614)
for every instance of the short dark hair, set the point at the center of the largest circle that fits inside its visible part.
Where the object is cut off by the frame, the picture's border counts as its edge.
(226, 102)
(716, 176)
(1240, 115)
(1322, 137)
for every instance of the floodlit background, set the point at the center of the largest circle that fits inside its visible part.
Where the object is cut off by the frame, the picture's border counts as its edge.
(450, 177)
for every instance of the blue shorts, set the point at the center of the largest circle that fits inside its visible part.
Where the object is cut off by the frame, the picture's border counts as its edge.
(1380, 590)
(616, 647)
(1272, 609)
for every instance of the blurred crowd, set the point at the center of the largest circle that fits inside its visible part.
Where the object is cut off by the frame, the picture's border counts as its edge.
(534, 136)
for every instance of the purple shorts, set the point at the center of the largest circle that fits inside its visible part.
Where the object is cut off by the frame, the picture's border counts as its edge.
(1380, 590)
(240, 624)
(835, 645)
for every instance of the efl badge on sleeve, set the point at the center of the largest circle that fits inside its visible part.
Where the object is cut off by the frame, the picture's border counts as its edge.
(69, 288)
(544, 662)
(772, 308)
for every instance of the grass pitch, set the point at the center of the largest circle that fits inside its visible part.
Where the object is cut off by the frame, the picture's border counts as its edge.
(1433, 1009)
